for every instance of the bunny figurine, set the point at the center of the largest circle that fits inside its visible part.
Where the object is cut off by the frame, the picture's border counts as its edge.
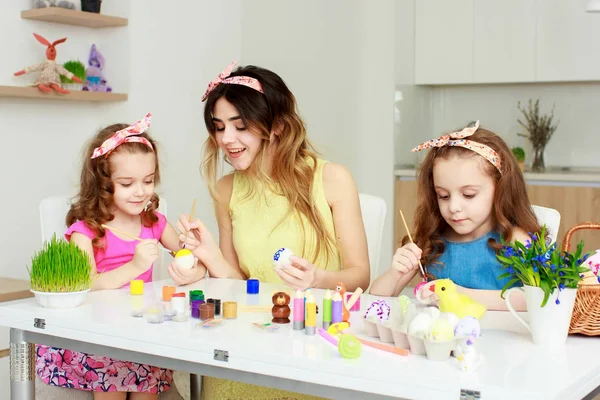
(50, 71)
(94, 79)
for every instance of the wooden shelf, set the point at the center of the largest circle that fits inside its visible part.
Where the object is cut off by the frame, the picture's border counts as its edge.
(35, 93)
(73, 17)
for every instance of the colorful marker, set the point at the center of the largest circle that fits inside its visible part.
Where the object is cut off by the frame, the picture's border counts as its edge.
(327, 309)
(336, 308)
(311, 315)
(307, 293)
(298, 310)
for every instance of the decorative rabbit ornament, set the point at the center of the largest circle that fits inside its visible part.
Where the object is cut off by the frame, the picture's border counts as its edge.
(94, 78)
(50, 71)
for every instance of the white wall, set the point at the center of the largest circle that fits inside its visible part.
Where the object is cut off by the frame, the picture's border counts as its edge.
(338, 59)
(42, 140)
(163, 59)
(414, 112)
(576, 141)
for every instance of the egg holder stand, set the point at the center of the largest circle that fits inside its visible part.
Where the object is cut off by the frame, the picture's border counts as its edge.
(433, 350)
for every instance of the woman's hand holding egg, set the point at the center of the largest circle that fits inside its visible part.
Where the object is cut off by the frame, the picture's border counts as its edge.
(299, 274)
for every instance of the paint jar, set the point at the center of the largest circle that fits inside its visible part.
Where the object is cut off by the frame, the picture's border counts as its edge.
(195, 309)
(167, 292)
(252, 299)
(230, 310)
(137, 306)
(207, 311)
(217, 303)
(136, 287)
(154, 315)
(178, 302)
(168, 310)
(196, 295)
(252, 286)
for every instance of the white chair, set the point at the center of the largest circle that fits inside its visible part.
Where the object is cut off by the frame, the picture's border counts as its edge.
(373, 211)
(53, 214)
(550, 217)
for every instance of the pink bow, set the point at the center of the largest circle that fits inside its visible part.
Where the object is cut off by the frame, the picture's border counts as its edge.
(126, 135)
(458, 139)
(224, 77)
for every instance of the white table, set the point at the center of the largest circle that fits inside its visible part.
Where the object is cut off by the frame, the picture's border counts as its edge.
(514, 368)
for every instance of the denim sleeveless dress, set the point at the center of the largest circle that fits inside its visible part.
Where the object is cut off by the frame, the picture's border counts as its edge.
(471, 264)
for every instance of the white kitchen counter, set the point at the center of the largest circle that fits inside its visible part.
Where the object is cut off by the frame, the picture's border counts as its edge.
(554, 176)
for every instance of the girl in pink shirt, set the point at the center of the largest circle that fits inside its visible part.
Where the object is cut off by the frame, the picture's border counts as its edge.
(118, 179)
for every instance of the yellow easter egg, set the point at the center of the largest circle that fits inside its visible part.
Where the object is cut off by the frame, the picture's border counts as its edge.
(184, 258)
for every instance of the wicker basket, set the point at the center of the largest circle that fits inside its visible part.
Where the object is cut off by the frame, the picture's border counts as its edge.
(586, 312)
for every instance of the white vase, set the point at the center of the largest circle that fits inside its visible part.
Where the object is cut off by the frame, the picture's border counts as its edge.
(548, 325)
(60, 300)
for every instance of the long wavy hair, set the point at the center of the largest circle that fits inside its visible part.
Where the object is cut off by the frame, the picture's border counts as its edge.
(511, 205)
(94, 202)
(274, 118)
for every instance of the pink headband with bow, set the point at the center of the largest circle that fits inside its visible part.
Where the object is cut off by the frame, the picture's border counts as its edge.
(457, 139)
(233, 80)
(126, 135)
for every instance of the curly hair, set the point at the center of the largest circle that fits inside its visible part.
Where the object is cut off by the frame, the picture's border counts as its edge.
(295, 162)
(94, 202)
(511, 205)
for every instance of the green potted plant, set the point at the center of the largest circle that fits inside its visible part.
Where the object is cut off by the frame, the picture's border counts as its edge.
(77, 68)
(519, 154)
(60, 274)
(546, 272)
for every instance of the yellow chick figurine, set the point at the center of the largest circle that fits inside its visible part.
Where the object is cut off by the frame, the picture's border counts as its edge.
(454, 302)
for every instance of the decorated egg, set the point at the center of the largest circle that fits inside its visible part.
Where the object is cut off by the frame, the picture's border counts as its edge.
(379, 310)
(468, 327)
(184, 259)
(282, 257)
(419, 286)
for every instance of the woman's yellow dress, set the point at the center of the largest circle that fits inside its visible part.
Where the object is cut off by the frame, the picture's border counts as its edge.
(257, 234)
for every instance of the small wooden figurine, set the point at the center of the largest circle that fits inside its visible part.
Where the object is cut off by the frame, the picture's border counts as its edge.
(281, 308)
(50, 71)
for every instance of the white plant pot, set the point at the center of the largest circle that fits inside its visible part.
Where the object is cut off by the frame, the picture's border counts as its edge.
(548, 325)
(60, 300)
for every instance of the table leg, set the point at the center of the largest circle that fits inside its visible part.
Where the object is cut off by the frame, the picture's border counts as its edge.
(22, 363)
(195, 386)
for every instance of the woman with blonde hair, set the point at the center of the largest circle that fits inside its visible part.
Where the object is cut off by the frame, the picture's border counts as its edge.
(280, 194)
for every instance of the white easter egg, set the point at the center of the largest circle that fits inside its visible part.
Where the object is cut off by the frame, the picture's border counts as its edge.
(433, 311)
(282, 257)
(420, 324)
(450, 317)
(184, 259)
